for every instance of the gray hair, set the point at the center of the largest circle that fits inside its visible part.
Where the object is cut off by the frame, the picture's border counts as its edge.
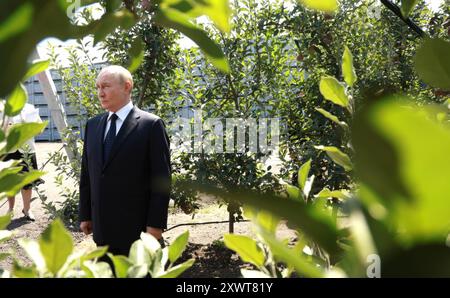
(119, 72)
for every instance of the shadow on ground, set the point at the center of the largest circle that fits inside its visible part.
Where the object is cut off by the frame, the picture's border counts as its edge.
(17, 223)
(212, 261)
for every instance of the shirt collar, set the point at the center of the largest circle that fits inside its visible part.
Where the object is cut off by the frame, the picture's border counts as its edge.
(123, 112)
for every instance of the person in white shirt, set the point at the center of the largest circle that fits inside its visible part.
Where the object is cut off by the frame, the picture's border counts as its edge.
(27, 155)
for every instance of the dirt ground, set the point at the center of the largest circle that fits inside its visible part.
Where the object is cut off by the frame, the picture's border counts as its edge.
(213, 259)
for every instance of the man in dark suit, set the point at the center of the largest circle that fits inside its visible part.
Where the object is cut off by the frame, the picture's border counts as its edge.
(125, 172)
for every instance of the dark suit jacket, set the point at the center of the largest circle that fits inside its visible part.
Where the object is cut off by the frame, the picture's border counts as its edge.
(131, 190)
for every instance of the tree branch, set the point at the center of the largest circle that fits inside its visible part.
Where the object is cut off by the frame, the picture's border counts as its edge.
(396, 10)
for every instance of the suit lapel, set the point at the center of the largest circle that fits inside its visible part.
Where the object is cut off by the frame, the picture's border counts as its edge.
(98, 145)
(128, 125)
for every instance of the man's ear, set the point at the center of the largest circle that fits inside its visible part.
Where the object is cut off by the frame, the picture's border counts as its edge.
(128, 86)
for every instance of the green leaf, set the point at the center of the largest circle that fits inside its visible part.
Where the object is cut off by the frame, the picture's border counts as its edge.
(9, 167)
(342, 194)
(28, 24)
(37, 67)
(31, 247)
(17, 21)
(322, 5)
(428, 260)
(177, 270)
(20, 133)
(11, 184)
(16, 101)
(348, 69)
(138, 254)
(121, 265)
(138, 271)
(432, 63)
(157, 266)
(24, 272)
(64, 4)
(291, 257)
(87, 271)
(217, 10)
(97, 270)
(136, 54)
(337, 156)
(334, 91)
(174, 19)
(317, 224)
(362, 241)
(56, 245)
(247, 248)
(332, 118)
(402, 156)
(122, 18)
(96, 253)
(112, 5)
(150, 243)
(408, 6)
(262, 219)
(293, 192)
(75, 260)
(178, 246)
(4, 221)
(303, 173)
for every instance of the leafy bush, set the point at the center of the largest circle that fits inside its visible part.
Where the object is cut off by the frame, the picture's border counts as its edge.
(396, 217)
(228, 171)
(398, 212)
(67, 170)
(53, 255)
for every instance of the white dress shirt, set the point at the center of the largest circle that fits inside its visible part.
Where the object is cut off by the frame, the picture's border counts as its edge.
(121, 114)
(28, 114)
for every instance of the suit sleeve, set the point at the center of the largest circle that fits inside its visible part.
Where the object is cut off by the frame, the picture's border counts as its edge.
(160, 175)
(85, 188)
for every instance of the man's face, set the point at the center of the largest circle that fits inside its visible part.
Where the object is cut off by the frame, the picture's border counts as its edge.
(113, 93)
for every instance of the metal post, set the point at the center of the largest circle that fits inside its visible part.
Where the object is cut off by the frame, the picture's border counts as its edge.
(56, 108)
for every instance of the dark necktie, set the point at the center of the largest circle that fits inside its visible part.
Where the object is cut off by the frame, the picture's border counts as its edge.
(109, 140)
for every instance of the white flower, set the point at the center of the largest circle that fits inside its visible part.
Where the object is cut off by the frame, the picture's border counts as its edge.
(374, 10)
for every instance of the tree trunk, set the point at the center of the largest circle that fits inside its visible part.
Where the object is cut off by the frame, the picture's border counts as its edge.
(231, 222)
